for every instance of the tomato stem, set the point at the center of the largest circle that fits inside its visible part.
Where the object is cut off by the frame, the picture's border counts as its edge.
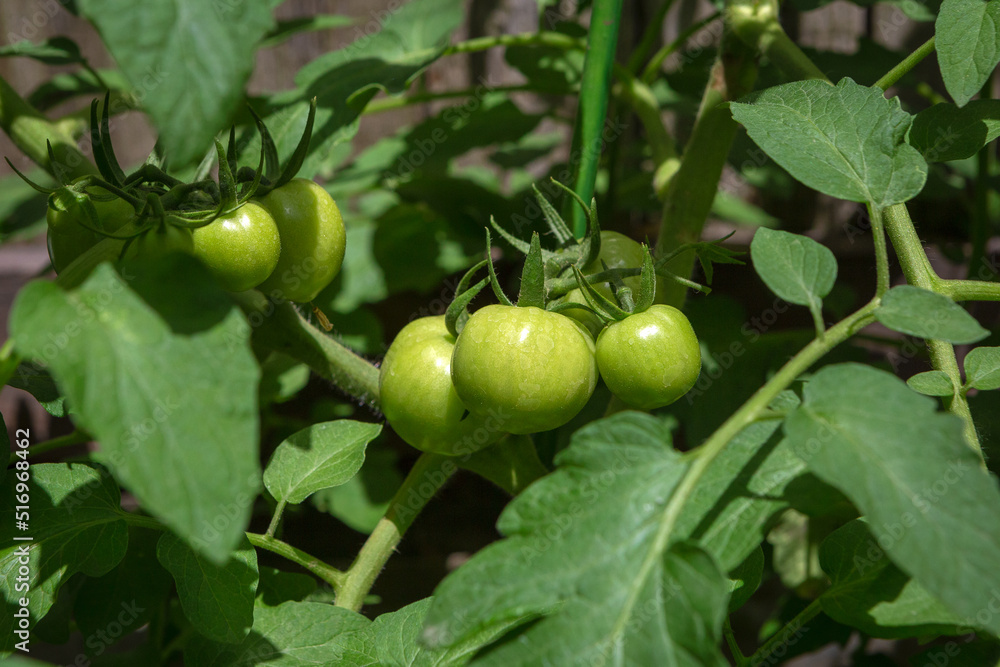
(425, 479)
(276, 519)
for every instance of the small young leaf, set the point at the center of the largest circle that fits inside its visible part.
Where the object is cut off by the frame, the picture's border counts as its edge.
(910, 471)
(919, 312)
(870, 593)
(968, 49)
(318, 457)
(745, 579)
(932, 383)
(982, 368)
(276, 587)
(77, 526)
(945, 132)
(217, 599)
(847, 141)
(361, 501)
(796, 268)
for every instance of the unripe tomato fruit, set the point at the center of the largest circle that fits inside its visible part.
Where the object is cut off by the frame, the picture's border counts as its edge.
(313, 240)
(67, 238)
(534, 367)
(418, 398)
(618, 252)
(241, 249)
(649, 359)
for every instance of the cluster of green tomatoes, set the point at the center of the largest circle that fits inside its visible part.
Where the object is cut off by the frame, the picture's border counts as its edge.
(260, 229)
(456, 387)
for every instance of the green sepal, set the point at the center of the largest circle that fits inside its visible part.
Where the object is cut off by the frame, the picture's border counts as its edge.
(558, 226)
(299, 156)
(455, 316)
(157, 157)
(647, 283)
(603, 307)
(32, 184)
(227, 183)
(621, 292)
(458, 310)
(105, 143)
(205, 166)
(494, 283)
(570, 305)
(57, 173)
(271, 161)
(532, 292)
(251, 190)
(231, 157)
(510, 238)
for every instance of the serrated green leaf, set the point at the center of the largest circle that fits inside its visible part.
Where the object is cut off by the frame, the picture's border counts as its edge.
(871, 594)
(172, 375)
(128, 595)
(76, 525)
(745, 579)
(189, 59)
(968, 45)
(919, 312)
(629, 596)
(218, 600)
(982, 368)
(847, 141)
(293, 634)
(796, 268)
(909, 470)
(318, 457)
(945, 132)
(931, 383)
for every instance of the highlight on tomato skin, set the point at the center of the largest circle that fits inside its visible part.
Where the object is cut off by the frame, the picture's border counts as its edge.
(649, 359)
(419, 400)
(535, 366)
(313, 240)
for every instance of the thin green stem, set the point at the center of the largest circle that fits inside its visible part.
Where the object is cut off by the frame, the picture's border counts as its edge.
(652, 68)
(969, 290)
(327, 573)
(649, 37)
(595, 89)
(31, 131)
(640, 97)
(390, 103)
(787, 634)
(282, 328)
(77, 437)
(727, 631)
(980, 211)
(276, 518)
(543, 38)
(907, 64)
(881, 252)
(427, 476)
(756, 23)
(176, 644)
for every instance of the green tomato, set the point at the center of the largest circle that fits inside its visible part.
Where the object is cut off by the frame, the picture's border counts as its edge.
(535, 368)
(649, 359)
(618, 252)
(67, 238)
(241, 249)
(418, 398)
(313, 240)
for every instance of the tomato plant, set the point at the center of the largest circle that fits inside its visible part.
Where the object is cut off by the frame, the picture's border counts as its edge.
(328, 432)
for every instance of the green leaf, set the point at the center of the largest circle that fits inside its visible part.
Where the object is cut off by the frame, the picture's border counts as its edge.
(745, 579)
(361, 501)
(909, 470)
(53, 51)
(76, 525)
(217, 599)
(919, 312)
(22, 209)
(847, 141)
(871, 594)
(968, 45)
(932, 383)
(584, 548)
(189, 60)
(129, 595)
(512, 464)
(276, 587)
(318, 457)
(796, 268)
(285, 30)
(37, 382)
(982, 368)
(293, 634)
(172, 376)
(945, 132)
